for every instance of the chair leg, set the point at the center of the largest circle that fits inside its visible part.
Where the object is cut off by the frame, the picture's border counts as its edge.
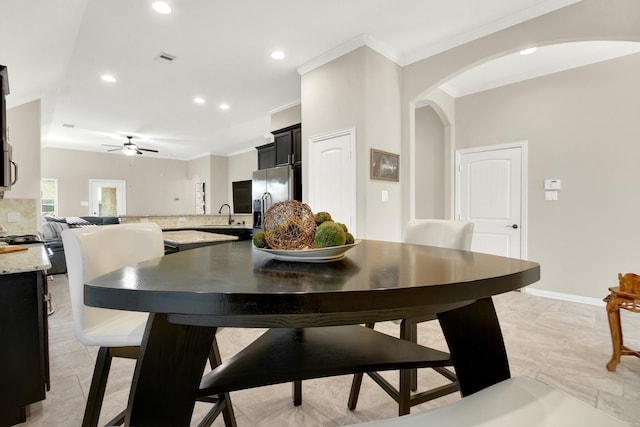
(98, 386)
(296, 393)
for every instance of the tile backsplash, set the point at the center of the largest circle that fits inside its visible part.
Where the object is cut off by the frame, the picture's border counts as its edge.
(24, 211)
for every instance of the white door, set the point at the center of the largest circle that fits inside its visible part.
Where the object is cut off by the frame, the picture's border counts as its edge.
(491, 192)
(107, 197)
(332, 178)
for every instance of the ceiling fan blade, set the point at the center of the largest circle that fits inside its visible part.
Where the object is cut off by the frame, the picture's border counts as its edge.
(116, 149)
(109, 145)
(138, 152)
(148, 149)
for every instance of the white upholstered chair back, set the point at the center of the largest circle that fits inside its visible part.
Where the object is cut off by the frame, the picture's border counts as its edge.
(440, 232)
(93, 251)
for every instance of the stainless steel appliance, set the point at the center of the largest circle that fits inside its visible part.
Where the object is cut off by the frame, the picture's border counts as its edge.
(21, 239)
(268, 187)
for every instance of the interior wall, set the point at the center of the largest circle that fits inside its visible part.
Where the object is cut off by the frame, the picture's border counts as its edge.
(287, 117)
(154, 186)
(429, 161)
(359, 90)
(579, 21)
(582, 127)
(23, 131)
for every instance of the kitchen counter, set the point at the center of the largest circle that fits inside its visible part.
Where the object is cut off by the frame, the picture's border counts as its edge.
(33, 259)
(190, 239)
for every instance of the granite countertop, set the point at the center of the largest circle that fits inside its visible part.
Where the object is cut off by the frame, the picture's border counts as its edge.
(33, 259)
(192, 236)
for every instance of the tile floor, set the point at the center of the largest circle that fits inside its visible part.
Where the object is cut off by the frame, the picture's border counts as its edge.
(563, 344)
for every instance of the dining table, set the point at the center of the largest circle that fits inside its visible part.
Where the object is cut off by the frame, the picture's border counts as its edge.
(312, 308)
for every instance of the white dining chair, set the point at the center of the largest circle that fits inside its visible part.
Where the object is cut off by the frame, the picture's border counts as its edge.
(430, 232)
(94, 251)
(519, 401)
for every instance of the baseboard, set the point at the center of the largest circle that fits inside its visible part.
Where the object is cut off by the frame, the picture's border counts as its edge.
(564, 297)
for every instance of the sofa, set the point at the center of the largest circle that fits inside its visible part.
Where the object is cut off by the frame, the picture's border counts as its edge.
(51, 233)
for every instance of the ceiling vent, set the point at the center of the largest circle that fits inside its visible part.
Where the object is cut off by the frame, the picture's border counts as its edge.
(165, 57)
(68, 125)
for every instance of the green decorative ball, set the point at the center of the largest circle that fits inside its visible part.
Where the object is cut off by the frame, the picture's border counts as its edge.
(349, 239)
(344, 227)
(322, 217)
(329, 234)
(259, 240)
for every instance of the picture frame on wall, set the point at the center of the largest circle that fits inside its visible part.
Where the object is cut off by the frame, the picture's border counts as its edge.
(385, 166)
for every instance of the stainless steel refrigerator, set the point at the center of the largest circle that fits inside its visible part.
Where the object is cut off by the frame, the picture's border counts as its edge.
(268, 187)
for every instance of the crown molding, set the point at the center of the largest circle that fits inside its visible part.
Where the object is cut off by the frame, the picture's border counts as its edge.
(285, 106)
(350, 46)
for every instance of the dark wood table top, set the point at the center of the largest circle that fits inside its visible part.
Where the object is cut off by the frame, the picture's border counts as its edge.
(236, 279)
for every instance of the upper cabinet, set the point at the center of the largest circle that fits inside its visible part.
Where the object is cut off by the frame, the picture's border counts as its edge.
(266, 156)
(286, 148)
(288, 145)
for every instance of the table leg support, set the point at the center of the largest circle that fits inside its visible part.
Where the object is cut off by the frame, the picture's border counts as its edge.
(476, 345)
(168, 373)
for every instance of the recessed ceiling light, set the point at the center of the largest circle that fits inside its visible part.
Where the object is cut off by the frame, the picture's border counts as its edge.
(161, 7)
(277, 54)
(528, 51)
(224, 106)
(198, 100)
(108, 78)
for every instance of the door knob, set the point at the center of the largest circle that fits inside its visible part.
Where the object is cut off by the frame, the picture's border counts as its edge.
(514, 226)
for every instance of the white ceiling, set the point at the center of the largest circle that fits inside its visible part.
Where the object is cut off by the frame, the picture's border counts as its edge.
(56, 51)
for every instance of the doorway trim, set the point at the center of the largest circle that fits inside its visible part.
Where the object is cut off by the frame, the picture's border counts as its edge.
(350, 186)
(524, 185)
(121, 201)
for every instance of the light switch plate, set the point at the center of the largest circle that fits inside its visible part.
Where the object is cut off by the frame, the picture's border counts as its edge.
(551, 195)
(552, 184)
(384, 197)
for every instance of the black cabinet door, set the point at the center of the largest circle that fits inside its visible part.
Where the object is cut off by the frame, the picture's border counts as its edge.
(266, 156)
(24, 360)
(297, 146)
(284, 148)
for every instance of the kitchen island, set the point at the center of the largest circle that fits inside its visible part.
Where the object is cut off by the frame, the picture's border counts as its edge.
(176, 241)
(24, 361)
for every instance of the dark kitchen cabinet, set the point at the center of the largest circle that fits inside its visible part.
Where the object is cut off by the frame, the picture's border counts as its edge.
(24, 359)
(266, 156)
(288, 145)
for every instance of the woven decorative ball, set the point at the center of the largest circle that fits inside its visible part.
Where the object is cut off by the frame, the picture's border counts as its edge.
(289, 225)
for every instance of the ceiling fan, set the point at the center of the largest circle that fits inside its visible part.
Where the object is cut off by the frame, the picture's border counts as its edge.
(129, 148)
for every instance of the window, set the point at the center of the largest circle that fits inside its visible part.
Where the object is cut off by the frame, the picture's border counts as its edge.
(49, 196)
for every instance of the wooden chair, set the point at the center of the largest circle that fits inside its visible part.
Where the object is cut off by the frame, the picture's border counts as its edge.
(520, 401)
(622, 297)
(430, 232)
(91, 252)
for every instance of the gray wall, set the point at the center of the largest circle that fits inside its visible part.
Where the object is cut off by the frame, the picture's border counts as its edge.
(582, 127)
(359, 90)
(429, 158)
(23, 129)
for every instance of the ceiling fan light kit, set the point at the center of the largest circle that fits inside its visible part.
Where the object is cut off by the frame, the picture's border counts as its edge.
(130, 149)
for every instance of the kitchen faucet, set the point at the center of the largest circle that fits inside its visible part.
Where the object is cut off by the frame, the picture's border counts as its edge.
(220, 211)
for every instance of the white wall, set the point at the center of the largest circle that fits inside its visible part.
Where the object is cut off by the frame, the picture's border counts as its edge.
(153, 185)
(286, 117)
(429, 159)
(359, 90)
(559, 258)
(582, 127)
(23, 129)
